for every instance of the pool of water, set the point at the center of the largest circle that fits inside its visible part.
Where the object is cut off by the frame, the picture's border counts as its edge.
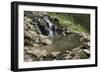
(63, 43)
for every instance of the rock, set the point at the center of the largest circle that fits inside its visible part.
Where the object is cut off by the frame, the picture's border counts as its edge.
(83, 55)
(34, 57)
(26, 48)
(25, 27)
(63, 33)
(30, 34)
(28, 14)
(44, 53)
(50, 57)
(30, 26)
(76, 56)
(42, 58)
(35, 45)
(31, 37)
(67, 57)
(42, 37)
(55, 53)
(37, 52)
(81, 39)
(27, 20)
(85, 45)
(37, 40)
(33, 33)
(61, 56)
(27, 34)
(84, 37)
(88, 43)
(27, 58)
(68, 32)
(29, 51)
(46, 42)
(87, 51)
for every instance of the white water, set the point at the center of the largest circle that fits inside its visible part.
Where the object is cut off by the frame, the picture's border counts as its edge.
(50, 26)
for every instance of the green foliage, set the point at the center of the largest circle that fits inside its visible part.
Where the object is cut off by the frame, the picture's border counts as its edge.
(74, 22)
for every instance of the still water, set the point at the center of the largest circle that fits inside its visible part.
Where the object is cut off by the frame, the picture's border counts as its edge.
(63, 43)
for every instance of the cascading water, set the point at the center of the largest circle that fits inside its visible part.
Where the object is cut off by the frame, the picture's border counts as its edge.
(50, 26)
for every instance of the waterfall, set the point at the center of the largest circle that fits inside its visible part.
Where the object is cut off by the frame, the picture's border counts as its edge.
(50, 26)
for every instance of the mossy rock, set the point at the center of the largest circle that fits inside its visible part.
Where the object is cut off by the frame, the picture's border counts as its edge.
(83, 55)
